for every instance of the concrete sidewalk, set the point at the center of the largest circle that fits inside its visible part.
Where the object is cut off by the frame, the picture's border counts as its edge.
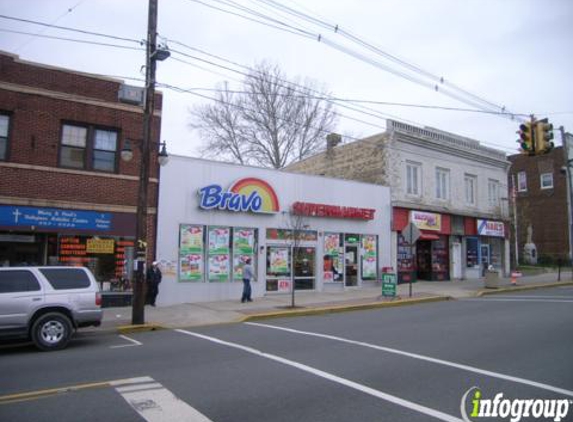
(208, 313)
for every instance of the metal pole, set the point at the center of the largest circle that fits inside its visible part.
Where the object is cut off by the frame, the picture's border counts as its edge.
(139, 287)
(412, 255)
(567, 151)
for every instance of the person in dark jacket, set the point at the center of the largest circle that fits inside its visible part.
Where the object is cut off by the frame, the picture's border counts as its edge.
(153, 279)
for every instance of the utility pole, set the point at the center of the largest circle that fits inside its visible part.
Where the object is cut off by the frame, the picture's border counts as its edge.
(568, 163)
(139, 287)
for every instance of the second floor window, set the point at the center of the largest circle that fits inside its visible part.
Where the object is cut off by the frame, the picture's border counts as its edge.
(4, 125)
(547, 181)
(470, 182)
(413, 176)
(521, 181)
(89, 148)
(442, 183)
(493, 193)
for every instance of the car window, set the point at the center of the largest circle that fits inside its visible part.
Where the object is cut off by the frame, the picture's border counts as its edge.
(68, 278)
(13, 281)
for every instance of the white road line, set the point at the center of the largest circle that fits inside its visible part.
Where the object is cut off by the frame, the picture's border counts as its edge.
(331, 377)
(155, 403)
(424, 358)
(133, 342)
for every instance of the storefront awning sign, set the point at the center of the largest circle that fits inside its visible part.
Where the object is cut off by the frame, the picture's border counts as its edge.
(245, 195)
(426, 220)
(54, 218)
(332, 211)
(490, 228)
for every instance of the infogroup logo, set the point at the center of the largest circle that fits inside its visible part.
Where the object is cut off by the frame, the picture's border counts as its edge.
(513, 409)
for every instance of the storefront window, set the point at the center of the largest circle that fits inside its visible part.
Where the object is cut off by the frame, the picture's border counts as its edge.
(104, 256)
(278, 268)
(304, 268)
(369, 257)
(287, 234)
(332, 261)
(472, 252)
(206, 253)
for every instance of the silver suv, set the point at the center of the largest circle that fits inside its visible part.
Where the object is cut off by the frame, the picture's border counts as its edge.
(47, 304)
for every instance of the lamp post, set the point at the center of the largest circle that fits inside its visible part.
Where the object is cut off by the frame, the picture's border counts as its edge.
(153, 54)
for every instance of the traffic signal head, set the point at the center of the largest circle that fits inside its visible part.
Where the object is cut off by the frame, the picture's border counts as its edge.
(543, 136)
(526, 138)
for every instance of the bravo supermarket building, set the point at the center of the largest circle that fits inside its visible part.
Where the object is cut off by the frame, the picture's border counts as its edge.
(318, 233)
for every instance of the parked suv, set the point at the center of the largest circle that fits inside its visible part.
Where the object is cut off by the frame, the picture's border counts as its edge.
(47, 304)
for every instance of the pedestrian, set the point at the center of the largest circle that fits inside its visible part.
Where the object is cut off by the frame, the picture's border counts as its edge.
(153, 279)
(248, 275)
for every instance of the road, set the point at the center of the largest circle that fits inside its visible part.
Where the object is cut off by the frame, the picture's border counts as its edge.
(412, 363)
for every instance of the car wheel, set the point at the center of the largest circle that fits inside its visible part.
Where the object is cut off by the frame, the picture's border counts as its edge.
(51, 331)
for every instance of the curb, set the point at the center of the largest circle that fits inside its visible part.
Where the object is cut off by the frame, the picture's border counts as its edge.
(341, 308)
(518, 288)
(127, 329)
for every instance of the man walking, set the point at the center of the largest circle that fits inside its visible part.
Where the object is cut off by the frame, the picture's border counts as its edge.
(248, 274)
(153, 279)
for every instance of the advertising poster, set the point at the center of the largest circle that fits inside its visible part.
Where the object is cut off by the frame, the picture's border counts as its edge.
(368, 267)
(190, 239)
(219, 240)
(279, 261)
(331, 244)
(239, 263)
(284, 285)
(191, 267)
(219, 267)
(244, 241)
(369, 245)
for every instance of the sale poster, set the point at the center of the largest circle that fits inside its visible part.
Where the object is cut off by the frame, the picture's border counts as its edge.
(369, 267)
(191, 267)
(244, 241)
(331, 244)
(219, 240)
(369, 245)
(279, 260)
(218, 267)
(238, 264)
(190, 239)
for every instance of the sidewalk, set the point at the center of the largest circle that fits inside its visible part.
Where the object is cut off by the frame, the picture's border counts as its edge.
(209, 313)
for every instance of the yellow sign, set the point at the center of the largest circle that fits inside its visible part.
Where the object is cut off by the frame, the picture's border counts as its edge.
(426, 220)
(100, 246)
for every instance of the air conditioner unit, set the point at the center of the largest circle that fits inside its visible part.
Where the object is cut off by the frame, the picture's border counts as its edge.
(131, 94)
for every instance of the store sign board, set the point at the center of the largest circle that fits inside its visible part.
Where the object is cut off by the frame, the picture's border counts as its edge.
(389, 285)
(332, 211)
(490, 228)
(245, 195)
(54, 218)
(100, 246)
(426, 220)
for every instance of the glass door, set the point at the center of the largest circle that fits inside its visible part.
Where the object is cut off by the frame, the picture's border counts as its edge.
(304, 267)
(351, 266)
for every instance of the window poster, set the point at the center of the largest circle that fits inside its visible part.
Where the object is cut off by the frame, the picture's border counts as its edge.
(218, 267)
(219, 240)
(369, 245)
(191, 267)
(239, 262)
(190, 239)
(279, 261)
(244, 241)
(369, 267)
(331, 244)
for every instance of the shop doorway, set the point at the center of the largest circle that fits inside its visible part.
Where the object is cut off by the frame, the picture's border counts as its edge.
(457, 260)
(304, 268)
(485, 257)
(351, 266)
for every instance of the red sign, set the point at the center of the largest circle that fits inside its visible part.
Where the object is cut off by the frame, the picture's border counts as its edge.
(332, 211)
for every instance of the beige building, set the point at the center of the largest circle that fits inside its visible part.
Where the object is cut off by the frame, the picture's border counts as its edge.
(451, 187)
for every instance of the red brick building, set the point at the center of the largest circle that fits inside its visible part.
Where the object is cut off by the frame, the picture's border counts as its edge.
(66, 196)
(541, 195)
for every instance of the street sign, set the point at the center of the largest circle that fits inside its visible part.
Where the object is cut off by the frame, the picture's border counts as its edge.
(411, 233)
(389, 285)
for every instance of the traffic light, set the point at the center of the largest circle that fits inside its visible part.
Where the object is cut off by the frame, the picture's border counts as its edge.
(527, 138)
(543, 136)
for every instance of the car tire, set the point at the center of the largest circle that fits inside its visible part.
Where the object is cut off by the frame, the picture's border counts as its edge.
(51, 331)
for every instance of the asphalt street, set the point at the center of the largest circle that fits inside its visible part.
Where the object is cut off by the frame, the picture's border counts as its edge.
(411, 363)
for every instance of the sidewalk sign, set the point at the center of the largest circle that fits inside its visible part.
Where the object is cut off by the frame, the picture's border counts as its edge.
(389, 285)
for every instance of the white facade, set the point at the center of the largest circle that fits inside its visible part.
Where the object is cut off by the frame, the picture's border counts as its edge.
(179, 208)
(438, 172)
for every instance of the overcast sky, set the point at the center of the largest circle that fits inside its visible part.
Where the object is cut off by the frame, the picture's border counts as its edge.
(516, 54)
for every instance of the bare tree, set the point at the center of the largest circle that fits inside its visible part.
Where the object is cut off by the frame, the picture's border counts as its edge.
(272, 122)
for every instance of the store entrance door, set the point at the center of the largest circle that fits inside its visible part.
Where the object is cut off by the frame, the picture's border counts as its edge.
(351, 266)
(485, 257)
(457, 260)
(304, 268)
